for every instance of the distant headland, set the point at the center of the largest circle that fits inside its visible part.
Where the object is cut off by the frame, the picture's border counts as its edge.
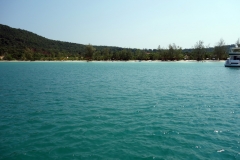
(22, 45)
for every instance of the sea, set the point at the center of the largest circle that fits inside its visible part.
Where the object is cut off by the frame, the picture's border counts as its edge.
(119, 110)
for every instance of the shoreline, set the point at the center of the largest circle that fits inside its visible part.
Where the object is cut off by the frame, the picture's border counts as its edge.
(139, 61)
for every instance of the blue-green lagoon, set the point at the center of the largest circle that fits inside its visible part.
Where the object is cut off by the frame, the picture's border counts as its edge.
(119, 110)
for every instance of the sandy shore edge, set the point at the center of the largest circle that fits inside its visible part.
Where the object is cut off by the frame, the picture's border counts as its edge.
(120, 61)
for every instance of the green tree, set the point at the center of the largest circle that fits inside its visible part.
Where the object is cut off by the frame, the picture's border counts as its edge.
(97, 56)
(174, 52)
(160, 53)
(170, 54)
(220, 50)
(89, 51)
(141, 55)
(155, 56)
(116, 55)
(8, 57)
(129, 55)
(106, 55)
(164, 55)
(199, 50)
(178, 54)
(28, 56)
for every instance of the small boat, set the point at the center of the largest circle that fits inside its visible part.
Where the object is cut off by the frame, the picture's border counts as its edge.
(234, 58)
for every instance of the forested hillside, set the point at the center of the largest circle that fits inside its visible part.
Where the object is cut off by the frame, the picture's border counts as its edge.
(18, 44)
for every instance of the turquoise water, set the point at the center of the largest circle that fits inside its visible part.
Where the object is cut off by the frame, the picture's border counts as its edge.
(119, 110)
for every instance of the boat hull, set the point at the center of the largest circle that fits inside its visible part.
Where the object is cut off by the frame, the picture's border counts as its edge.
(232, 65)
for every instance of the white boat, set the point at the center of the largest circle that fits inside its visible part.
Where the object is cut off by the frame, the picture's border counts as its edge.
(234, 58)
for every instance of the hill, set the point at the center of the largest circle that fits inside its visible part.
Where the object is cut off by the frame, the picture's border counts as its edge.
(18, 44)
(24, 45)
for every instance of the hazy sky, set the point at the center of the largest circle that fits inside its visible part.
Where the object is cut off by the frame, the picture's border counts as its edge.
(127, 23)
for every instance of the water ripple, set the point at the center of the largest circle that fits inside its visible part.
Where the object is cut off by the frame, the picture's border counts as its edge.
(119, 111)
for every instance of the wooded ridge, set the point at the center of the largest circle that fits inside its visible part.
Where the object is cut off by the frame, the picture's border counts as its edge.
(18, 44)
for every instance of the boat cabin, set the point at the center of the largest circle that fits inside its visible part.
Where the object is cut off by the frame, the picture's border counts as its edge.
(234, 58)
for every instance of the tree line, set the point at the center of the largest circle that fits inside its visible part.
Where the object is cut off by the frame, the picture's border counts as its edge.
(18, 44)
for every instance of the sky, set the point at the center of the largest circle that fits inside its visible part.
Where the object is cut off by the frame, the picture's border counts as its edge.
(127, 23)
